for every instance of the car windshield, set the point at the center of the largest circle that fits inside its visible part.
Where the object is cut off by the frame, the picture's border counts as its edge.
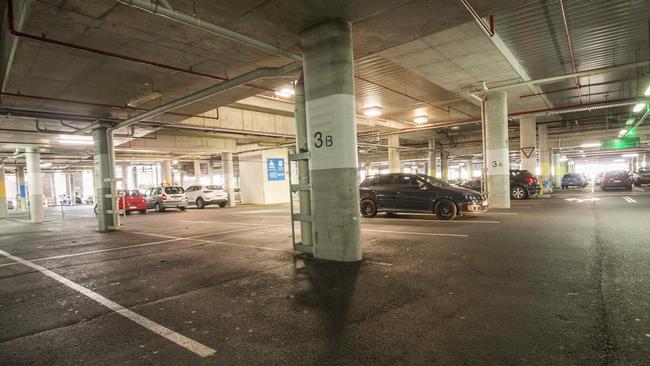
(434, 181)
(174, 190)
(135, 193)
(216, 188)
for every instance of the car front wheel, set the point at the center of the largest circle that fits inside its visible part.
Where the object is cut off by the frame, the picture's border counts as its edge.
(518, 192)
(200, 203)
(159, 208)
(445, 209)
(368, 208)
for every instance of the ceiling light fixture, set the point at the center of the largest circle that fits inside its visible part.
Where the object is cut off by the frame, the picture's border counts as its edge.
(285, 92)
(590, 144)
(372, 112)
(142, 99)
(46, 165)
(622, 133)
(647, 92)
(638, 107)
(630, 155)
(420, 119)
(75, 140)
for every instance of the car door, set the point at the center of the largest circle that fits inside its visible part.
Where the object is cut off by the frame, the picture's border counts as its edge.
(413, 194)
(385, 192)
(190, 192)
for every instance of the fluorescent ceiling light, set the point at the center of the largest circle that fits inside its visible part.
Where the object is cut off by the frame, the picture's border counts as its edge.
(647, 92)
(590, 144)
(619, 160)
(372, 112)
(75, 140)
(421, 119)
(638, 107)
(285, 92)
(630, 155)
(622, 133)
(142, 99)
(630, 121)
(46, 165)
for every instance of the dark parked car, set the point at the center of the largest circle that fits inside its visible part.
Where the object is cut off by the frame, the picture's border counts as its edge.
(642, 176)
(616, 179)
(392, 193)
(574, 180)
(522, 184)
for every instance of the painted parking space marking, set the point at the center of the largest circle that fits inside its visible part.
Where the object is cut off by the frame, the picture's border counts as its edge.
(436, 221)
(181, 340)
(629, 199)
(415, 233)
(221, 222)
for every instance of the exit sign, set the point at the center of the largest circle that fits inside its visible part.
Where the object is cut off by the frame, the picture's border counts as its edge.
(620, 144)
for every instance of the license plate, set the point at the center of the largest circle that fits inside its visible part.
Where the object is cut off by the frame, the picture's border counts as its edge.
(484, 203)
(617, 181)
(133, 207)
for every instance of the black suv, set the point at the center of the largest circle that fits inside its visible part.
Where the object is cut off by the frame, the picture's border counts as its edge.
(522, 184)
(393, 193)
(642, 176)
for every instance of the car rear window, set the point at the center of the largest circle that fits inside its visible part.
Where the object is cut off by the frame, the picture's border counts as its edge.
(216, 188)
(618, 174)
(174, 190)
(134, 193)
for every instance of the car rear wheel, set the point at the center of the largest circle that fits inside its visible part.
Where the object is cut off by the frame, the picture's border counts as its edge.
(143, 211)
(182, 208)
(200, 203)
(222, 204)
(518, 193)
(159, 208)
(368, 208)
(445, 209)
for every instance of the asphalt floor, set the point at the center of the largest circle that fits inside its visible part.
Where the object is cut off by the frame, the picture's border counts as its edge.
(563, 280)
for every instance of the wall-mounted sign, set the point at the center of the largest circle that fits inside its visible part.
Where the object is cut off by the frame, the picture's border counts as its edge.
(275, 169)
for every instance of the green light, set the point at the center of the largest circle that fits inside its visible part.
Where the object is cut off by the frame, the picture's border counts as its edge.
(631, 133)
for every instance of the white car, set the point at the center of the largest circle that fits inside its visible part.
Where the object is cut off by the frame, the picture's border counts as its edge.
(202, 196)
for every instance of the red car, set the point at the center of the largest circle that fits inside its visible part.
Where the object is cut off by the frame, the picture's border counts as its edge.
(134, 201)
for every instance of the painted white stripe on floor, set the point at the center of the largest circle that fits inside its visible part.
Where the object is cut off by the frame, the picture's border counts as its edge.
(221, 222)
(369, 221)
(181, 340)
(489, 213)
(629, 199)
(279, 216)
(414, 233)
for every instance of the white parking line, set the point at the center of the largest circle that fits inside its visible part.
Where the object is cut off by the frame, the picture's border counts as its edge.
(221, 222)
(436, 221)
(629, 199)
(181, 340)
(638, 188)
(280, 216)
(415, 233)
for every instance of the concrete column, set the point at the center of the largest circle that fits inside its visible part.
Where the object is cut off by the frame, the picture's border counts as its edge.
(432, 157)
(21, 191)
(53, 191)
(496, 149)
(126, 181)
(166, 172)
(558, 170)
(644, 161)
(211, 171)
(394, 164)
(469, 168)
(444, 165)
(332, 130)
(528, 144)
(229, 177)
(544, 158)
(134, 171)
(3, 193)
(73, 191)
(302, 145)
(35, 185)
(197, 172)
(102, 152)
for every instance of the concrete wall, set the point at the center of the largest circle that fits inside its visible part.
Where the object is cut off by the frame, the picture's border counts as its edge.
(253, 170)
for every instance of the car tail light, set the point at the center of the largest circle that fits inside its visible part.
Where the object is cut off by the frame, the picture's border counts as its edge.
(164, 197)
(207, 191)
(531, 180)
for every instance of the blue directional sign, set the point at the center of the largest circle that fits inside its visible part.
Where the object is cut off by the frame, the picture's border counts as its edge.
(275, 169)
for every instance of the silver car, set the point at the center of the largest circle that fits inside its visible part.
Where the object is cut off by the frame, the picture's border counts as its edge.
(162, 198)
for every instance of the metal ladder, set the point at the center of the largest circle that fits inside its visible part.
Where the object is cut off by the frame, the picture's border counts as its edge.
(299, 217)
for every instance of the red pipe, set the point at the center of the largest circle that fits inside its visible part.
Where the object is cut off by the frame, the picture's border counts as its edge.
(42, 38)
(572, 106)
(102, 105)
(568, 39)
(571, 88)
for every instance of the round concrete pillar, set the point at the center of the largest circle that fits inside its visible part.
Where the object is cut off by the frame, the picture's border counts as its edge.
(229, 177)
(496, 149)
(528, 144)
(35, 185)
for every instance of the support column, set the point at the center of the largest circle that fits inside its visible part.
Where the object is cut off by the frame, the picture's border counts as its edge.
(332, 131)
(444, 165)
(102, 153)
(73, 191)
(496, 149)
(469, 167)
(558, 170)
(134, 171)
(4, 213)
(302, 145)
(544, 159)
(229, 177)
(166, 172)
(21, 191)
(528, 144)
(197, 172)
(35, 185)
(211, 171)
(432, 157)
(394, 164)
(126, 182)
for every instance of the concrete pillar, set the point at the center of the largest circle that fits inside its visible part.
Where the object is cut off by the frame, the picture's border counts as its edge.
(544, 158)
(53, 191)
(197, 172)
(3, 193)
(166, 172)
(73, 190)
(134, 171)
(21, 191)
(558, 170)
(528, 144)
(469, 168)
(432, 156)
(394, 164)
(444, 165)
(102, 152)
(302, 145)
(211, 171)
(644, 161)
(229, 177)
(496, 148)
(35, 185)
(332, 130)
(126, 181)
